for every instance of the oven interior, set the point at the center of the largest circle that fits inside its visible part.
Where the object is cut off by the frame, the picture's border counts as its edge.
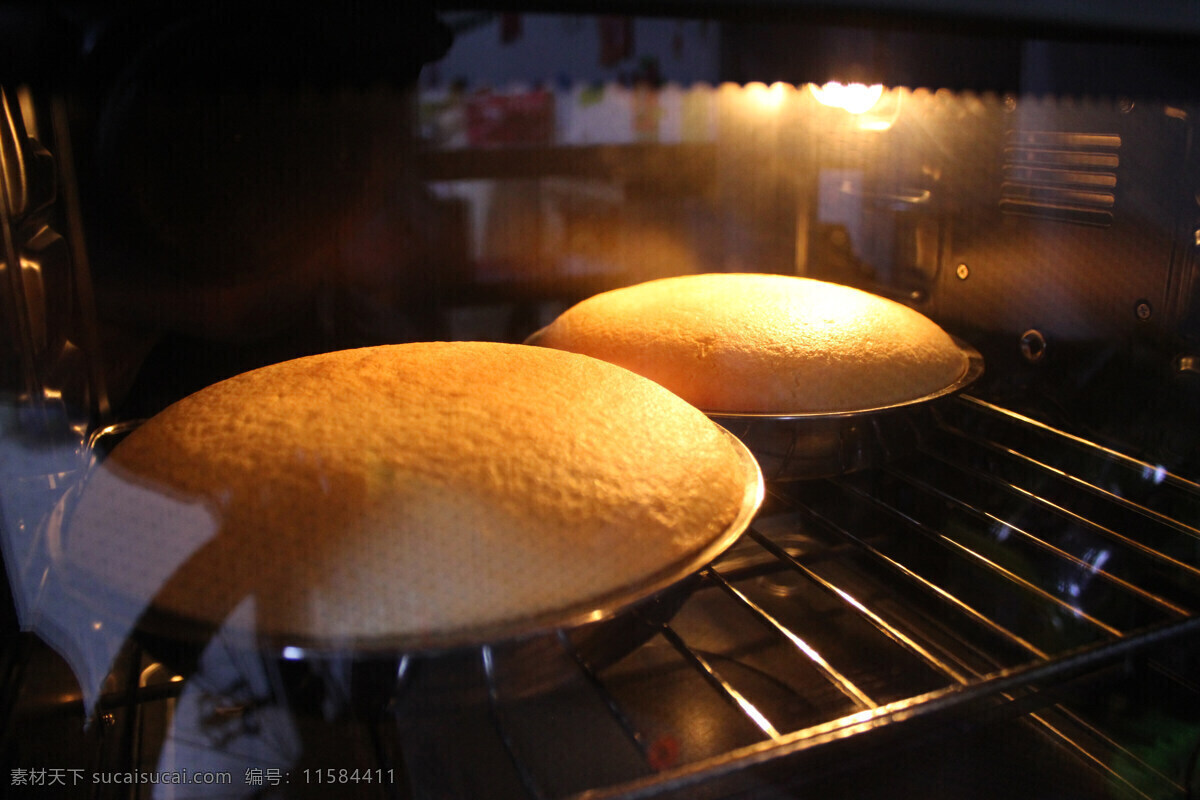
(1008, 606)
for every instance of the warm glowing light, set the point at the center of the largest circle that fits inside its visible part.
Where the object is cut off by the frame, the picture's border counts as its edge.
(856, 98)
(776, 93)
(877, 125)
(768, 97)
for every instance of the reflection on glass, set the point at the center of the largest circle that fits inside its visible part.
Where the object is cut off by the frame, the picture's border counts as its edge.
(856, 98)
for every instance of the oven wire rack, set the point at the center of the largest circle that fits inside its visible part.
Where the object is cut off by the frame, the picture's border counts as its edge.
(999, 575)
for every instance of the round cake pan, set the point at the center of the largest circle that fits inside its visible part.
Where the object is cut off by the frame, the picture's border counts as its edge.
(802, 446)
(598, 630)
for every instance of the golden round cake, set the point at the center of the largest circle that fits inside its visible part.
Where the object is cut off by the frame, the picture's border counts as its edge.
(770, 344)
(408, 492)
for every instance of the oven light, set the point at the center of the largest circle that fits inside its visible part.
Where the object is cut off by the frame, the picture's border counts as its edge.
(768, 98)
(293, 653)
(856, 98)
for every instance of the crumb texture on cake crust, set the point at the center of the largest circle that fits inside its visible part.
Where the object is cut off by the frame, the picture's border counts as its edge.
(757, 343)
(408, 489)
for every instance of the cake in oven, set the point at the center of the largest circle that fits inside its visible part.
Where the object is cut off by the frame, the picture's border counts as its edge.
(760, 343)
(408, 493)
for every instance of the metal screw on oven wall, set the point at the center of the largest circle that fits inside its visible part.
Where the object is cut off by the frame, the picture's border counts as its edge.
(1033, 345)
(1144, 311)
(1125, 105)
(962, 271)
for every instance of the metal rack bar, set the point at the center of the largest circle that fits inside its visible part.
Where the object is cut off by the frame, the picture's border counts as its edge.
(722, 686)
(614, 707)
(1028, 680)
(1105, 452)
(927, 585)
(1066, 513)
(1007, 574)
(840, 681)
(1040, 720)
(963, 676)
(1054, 551)
(1049, 721)
(519, 763)
(875, 619)
(1085, 485)
(1088, 754)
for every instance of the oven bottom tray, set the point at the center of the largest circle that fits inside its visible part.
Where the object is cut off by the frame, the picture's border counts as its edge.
(1010, 610)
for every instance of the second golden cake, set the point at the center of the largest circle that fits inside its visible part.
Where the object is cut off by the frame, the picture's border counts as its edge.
(759, 343)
